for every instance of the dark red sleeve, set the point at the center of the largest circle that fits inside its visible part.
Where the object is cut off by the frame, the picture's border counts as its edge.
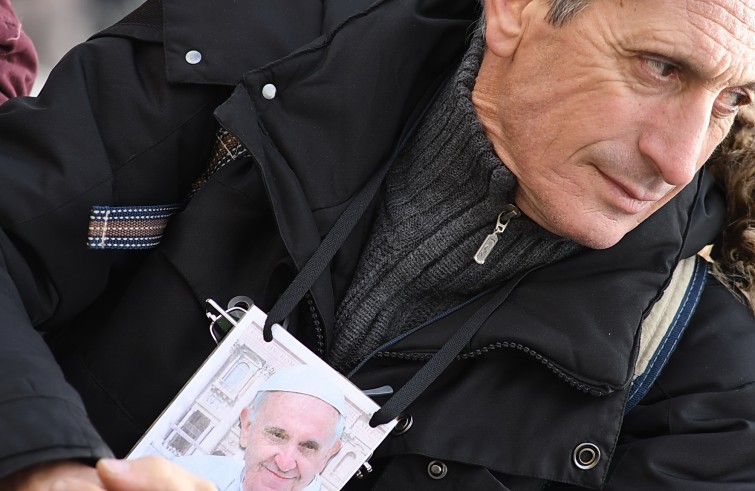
(18, 58)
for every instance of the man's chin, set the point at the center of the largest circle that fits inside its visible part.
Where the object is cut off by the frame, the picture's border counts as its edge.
(598, 241)
(596, 229)
(266, 480)
(593, 233)
(606, 228)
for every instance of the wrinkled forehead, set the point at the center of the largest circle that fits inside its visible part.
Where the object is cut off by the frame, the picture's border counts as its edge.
(727, 28)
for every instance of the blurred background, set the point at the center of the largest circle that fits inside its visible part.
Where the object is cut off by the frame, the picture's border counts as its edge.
(56, 26)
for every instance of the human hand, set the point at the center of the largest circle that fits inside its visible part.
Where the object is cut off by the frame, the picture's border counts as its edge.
(46, 476)
(145, 474)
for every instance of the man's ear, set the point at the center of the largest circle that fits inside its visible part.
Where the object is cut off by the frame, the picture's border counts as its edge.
(504, 25)
(329, 455)
(336, 447)
(245, 424)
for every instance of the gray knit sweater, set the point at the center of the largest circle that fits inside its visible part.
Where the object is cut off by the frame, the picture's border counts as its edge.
(441, 199)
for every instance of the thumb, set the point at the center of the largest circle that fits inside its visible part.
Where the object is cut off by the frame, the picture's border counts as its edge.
(149, 474)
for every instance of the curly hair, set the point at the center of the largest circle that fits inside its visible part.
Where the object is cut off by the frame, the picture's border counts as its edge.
(733, 165)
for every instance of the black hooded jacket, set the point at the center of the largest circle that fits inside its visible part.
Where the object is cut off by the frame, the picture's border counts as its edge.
(97, 342)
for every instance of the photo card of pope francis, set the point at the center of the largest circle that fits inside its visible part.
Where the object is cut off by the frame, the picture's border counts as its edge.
(263, 415)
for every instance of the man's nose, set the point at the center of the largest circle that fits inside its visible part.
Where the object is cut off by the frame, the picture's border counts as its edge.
(675, 136)
(285, 458)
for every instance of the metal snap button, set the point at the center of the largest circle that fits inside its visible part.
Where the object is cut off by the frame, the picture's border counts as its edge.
(404, 422)
(193, 57)
(269, 91)
(586, 456)
(437, 469)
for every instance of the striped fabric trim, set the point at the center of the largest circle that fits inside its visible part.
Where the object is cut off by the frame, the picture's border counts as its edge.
(227, 149)
(128, 227)
(141, 227)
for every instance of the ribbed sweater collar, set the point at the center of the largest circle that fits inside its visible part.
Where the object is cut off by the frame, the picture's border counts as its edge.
(441, 199)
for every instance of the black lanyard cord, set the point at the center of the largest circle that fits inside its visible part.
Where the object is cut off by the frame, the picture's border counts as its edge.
(317, 263)
(340, 231)
(426, 375)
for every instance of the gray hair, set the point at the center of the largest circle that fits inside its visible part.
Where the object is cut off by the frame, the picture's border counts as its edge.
(560, 12)
(259, 400)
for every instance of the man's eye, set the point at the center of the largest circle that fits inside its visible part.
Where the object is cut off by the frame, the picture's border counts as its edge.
(730, 100)
(660, 68)
(736, 98)
(310, 447)
(276, 435)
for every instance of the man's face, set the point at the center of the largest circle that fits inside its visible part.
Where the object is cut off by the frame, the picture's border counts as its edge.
(289, 442)
(606, 118)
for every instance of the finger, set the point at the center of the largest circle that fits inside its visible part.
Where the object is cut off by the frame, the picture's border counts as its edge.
(72, 484)
(41, 477)
(149, 474)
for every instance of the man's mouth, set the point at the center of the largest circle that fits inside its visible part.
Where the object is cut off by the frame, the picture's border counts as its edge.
(628, 197)
(278, 474)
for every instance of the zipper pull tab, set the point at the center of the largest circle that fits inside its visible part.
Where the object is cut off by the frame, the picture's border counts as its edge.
(509, 212)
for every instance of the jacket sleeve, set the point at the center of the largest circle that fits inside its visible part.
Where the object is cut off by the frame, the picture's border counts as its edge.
(18, 58)
(106, 129)
(695, 429)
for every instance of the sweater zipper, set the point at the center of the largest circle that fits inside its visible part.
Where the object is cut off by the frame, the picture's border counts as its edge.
(509, 211)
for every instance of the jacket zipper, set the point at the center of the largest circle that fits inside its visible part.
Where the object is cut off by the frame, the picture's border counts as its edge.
(388, 344)
(575, 383)
(316, 323)
(381, 352)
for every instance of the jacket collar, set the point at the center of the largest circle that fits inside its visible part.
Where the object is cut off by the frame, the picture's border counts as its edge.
(314, 148)
(217, 42)
(582, 315)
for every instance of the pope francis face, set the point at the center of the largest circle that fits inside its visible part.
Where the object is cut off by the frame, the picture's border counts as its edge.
(288, 439)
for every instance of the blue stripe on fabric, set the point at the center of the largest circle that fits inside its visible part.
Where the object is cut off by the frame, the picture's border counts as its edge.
(128, 227)
(642, 384)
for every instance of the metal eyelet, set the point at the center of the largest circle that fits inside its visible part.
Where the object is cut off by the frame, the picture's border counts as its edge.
(404, 422)
(437, 469)
(241, 301)
(586, 456)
